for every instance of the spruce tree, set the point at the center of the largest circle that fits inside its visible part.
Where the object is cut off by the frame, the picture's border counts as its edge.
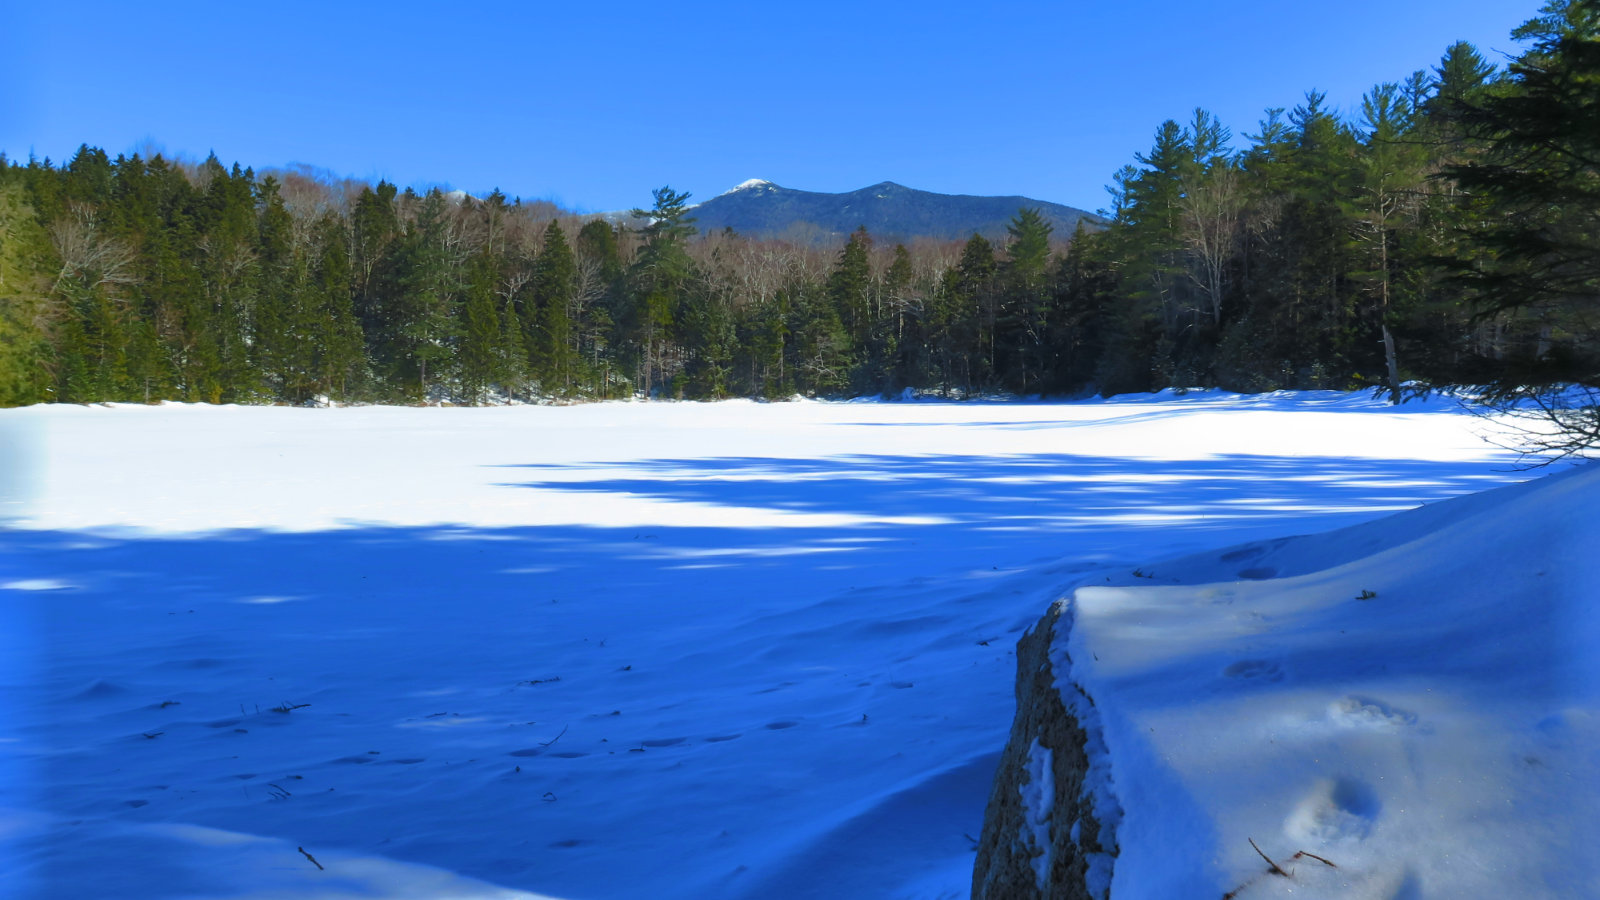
(659, 276)
(480, 331)
(1537, 181)
(341, 363)
(25, 352)
(555, 275)
(1025, 303)
(972, 315)
(422, 319)
(850, 286)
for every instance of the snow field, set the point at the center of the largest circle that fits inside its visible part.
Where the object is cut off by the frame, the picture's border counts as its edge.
(618, 650)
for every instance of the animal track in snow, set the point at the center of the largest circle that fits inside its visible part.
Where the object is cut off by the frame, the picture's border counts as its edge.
(1364, 712)
(1339, 809)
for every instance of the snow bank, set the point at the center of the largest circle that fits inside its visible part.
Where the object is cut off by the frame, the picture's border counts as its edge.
(1405, 708)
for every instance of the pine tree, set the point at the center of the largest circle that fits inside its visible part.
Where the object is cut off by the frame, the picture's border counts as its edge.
(602, 287)
(25, 352)
(480, 331)
(1025, 302)
(818, 346)
(1086, 283)
(555, 276)
(1153, 222)
(374, 223)
(341, 364)
(972, 316)
(660, 274)
(422, 318)
(1538, 183)
(280, 343)
(850, 286)
(1538, 178)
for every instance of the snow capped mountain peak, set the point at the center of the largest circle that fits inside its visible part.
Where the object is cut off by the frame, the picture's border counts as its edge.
(749, 185)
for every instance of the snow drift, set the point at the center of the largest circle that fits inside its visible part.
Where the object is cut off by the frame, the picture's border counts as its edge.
(1401, 709)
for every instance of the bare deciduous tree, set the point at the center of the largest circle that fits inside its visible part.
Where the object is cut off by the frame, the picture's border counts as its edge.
(91, 260)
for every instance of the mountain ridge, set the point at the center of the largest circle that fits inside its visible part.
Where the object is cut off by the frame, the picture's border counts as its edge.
(763, 209)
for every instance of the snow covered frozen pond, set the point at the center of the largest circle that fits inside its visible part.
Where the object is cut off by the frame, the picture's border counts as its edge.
(605, 651)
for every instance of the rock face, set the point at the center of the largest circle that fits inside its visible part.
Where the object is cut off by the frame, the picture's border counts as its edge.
(1041, 834)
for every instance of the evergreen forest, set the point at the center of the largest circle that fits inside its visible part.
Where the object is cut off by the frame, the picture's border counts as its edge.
(1446, 232)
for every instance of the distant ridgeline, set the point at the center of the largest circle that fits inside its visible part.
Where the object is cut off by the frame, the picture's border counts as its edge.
(888, 211)
(1446, 234)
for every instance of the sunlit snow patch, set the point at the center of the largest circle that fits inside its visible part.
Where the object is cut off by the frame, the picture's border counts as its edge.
(38, 584)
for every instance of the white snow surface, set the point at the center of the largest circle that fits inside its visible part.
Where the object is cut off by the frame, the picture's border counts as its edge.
(765, 650)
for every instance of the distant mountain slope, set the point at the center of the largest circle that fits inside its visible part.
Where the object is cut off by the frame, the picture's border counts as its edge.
(888, 210)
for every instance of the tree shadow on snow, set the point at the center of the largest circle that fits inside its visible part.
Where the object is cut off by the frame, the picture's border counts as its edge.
(666, 685)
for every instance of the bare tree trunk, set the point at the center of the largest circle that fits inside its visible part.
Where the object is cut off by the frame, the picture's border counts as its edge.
(1388, 338)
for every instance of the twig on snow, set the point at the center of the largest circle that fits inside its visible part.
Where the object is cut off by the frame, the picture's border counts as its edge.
(1327, 862)
(1271, 866)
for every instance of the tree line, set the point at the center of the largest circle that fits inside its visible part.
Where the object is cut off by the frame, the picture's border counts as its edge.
(1442, 233)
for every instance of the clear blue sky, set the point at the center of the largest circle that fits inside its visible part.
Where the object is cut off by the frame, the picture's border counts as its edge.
(595, 103)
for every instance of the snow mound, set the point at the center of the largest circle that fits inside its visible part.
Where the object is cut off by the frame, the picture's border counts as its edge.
(1415, 700)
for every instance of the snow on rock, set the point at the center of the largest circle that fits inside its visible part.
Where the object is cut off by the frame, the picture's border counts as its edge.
(1038, 796)
(1032, 846)
(1408, 708)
